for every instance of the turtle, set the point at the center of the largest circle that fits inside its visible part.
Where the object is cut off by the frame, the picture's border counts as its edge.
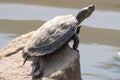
(52, 35)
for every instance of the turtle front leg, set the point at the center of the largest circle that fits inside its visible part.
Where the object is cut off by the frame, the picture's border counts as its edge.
(36, 68)
(76, 41)
(78, 29)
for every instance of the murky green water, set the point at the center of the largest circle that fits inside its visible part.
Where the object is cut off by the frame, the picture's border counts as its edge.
(99, 35)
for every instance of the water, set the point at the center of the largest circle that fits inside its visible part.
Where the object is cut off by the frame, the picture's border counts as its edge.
(99, 62)
(5, 39)
(100, 19)
(99, 36)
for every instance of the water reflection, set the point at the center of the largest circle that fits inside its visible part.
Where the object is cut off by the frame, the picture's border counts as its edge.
(113, 66)
(101, 36)
(19, 27)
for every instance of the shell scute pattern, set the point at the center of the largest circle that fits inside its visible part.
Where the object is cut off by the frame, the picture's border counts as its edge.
(52, 35)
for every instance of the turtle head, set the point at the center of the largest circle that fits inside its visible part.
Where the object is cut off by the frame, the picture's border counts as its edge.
(84, 13)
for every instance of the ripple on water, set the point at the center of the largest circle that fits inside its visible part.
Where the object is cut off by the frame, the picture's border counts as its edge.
(99, 62)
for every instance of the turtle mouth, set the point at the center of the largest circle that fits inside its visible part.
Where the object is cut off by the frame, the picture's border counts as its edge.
(84, 13)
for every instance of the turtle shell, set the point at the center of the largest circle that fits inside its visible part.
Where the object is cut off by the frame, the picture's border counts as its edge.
(51, 36)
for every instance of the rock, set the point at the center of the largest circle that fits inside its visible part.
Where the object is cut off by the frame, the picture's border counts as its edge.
(63, 64)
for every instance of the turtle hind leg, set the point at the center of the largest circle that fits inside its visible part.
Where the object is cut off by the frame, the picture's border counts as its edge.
(36, 73)
(76, 41)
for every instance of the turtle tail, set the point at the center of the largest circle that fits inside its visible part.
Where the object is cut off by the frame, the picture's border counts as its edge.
(25, 60)
(25, 56)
